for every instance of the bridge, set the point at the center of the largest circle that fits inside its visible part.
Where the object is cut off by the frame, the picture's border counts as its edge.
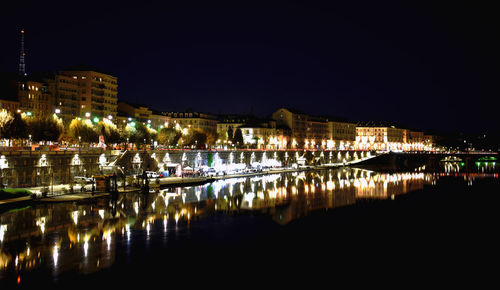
(432, 160)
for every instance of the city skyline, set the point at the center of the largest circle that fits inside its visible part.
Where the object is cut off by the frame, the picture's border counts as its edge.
(323, 60)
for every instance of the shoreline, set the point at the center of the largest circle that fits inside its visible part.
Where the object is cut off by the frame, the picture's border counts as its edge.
(163, 183)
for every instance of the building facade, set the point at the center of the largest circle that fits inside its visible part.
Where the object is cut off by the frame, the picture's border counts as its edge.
(342, 135)
(384, 137)
(194, 120)
(34, 98)
(97, 93)
(377, 136)
(141, 113)
(9, 105)
(296, 121)
(65, 91)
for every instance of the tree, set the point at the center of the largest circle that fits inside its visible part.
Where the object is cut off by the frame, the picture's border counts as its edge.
(238, 138)
(83, 130)
(230, 133)
(168, 136)
(139, 133)
(12, 126)
(195, 137)
(6, 119)
(222, 136)
(210, 138)
(44, 128)
(110, 132)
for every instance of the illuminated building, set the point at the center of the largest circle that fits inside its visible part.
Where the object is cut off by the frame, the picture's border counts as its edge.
(316, 132)
(342, 134)
(194, 120)
(296, 121)
(34, 97)
(9, 105)
(416, 140)
(65, 91)
(260, 134)
(231, 121)
(429, 142)
(305, 131)
(97, 93)
(149, 117)
(386, 137)
(378, 136)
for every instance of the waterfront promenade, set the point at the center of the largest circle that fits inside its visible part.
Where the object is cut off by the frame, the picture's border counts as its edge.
(59, 193)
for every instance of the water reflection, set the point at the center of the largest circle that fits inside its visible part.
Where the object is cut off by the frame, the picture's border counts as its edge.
(82, 237)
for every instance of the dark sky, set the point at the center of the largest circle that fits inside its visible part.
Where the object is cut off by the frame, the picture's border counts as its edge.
(424, 65)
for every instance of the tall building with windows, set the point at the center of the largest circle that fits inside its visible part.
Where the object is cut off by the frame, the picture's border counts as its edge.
(97, 92)
(65, 91)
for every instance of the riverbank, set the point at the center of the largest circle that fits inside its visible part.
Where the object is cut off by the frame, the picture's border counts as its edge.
(60, 193)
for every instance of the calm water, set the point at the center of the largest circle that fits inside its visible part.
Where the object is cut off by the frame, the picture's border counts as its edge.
(246, 228)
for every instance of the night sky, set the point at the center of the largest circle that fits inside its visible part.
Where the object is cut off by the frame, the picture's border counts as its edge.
(423, 65)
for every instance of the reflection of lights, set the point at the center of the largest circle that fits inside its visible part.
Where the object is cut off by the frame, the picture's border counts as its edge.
(41, 223)
(330, 185)
(55, 255)
(136, 207)
(249, 198)
(74, 215)
(85, 247)
(108, 241)
(3, 229)
(101, 213)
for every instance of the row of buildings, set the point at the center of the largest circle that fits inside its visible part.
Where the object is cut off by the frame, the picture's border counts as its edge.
(89, 93)
(284, 129)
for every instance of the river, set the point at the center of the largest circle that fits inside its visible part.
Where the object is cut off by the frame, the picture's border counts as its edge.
(265, 226)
